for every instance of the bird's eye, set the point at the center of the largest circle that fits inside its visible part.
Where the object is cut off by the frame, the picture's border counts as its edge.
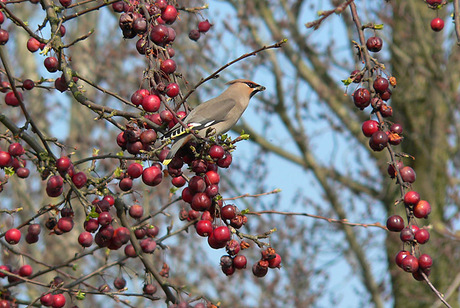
(251, 85)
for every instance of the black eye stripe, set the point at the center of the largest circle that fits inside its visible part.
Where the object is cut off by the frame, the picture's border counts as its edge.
(251, 85)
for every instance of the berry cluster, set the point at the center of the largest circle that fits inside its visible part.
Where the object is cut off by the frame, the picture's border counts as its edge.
(157, 104)
(383, 134)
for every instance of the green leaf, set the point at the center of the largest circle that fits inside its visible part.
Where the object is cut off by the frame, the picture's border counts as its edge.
(378, 27)
(9, 171)
(347, 82)
(245, 211)
(80, 295)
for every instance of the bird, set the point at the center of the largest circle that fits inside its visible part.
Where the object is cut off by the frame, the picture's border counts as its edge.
(217, 115)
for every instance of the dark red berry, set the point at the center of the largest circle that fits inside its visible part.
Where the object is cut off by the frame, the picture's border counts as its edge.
(395, 223)
(361, 98)
(356, 76)
(194, 35)
(85, 239)
(407, 235)
(381, 84)
(51, 64)
(410, 264)
(425, 262)
(25, 270)
(378, 141)
(408, 174)
(374, 44)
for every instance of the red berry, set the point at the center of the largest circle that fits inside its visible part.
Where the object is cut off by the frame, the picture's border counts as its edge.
(34, 229)
(169, 14)
(79, 179)
(201, 202)
(395, 223)
(5, 159)
(25, 270)
(228, 212)
(411, 198)
(28, 84)
(58, 301)
(362, 98)
(275, 262)
(406, 234)
(260, 269)
(13, 236)
(47, 299)
(51, 64)
(212, 178)
(126, 184)
(135, 170)
(410, 264)
(11, 99)
(91, 225)
(222, 234)
(119, 283)
(33, 44)
(422, 209)
(204, 228)
(85, 239)
(130, 251)
(434, 2)
(65, 224)
(437, 24)
(16, 149)
(374, 44)
(197, 184)
(152, 176)
(356, 76)
(194, 35)
(151, 103)
(216, 151)
(149, 289)
(392, 171)
(226, 161)
(159, 34)
(378, 141)
(381, 84)
(396, 128)
(4, 36)
(425, 262)
(104, 219)
(408, 174)
(204, 26)
(178, 181)
(369, 127)
(422, 236)
(136, 211)
(65, 3)
(168, 66)
(148, 245)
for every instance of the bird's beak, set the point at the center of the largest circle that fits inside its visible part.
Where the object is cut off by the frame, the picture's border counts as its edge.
(257, 89)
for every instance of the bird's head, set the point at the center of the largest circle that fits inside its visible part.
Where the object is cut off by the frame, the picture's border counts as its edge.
(246, 86)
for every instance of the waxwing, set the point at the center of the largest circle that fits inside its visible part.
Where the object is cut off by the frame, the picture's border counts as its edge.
(215, 116)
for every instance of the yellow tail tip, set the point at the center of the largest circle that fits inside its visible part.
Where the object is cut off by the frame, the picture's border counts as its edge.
(166, 162)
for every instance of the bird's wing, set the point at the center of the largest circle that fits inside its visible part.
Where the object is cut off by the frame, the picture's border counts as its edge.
(205, 115)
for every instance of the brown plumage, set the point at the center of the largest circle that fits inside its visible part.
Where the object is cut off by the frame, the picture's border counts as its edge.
(219, 114)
